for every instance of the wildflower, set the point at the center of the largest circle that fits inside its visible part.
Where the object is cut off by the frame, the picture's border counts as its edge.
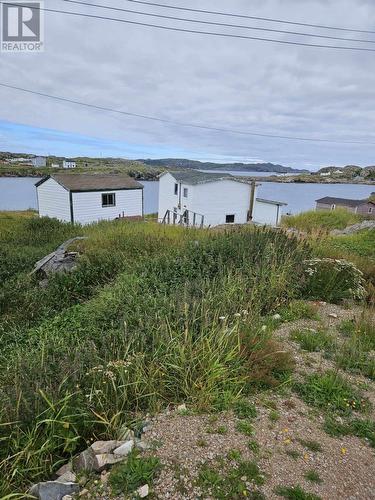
(264, 328)
(237, 315)
(245, 313)
(343, 451)
(306, 456)
(221, 318)
(287, 441)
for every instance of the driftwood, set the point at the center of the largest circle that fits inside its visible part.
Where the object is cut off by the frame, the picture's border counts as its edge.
(58, 261)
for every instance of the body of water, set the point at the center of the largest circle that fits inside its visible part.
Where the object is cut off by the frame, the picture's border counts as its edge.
(19, 193)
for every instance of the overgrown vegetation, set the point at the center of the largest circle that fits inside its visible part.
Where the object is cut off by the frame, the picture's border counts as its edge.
(321, 220)
(152, 315)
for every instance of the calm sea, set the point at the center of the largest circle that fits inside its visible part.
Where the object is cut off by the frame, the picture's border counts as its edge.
(18, 193)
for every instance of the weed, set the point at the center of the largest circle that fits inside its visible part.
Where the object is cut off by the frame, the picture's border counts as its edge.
(321, 220)
(293, 454)
(234, 455)
(202, 443)
(353, 427)
(311, 445)
(245, 427)
(329, 390)
(222, 429)
(299, 309)
(295, 493)
(245, 409)
(313, 340)
(136, 471)
(312, 476)
(253, 446)
(274, 416)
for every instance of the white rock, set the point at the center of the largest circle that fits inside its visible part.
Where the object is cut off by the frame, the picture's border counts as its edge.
(100, 447)
(332, 315)
(276, 316)
(124, 449)
(67, 497)
(143, 491)
(67, 477)
(181, 407)
(106, 460)
(142, 445)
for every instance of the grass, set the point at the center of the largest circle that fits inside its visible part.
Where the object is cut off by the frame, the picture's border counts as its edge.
(274, 415)
(311, 445)
(313, 340)
(299, 309)
(137, 326)
(293, 454)
(321, 220)
(331, 392)
(136, 471)
(253, 446)
(245, 427)
(352, 427)
(295, 493)
(229, 481)
(312, 476)
(245, 409)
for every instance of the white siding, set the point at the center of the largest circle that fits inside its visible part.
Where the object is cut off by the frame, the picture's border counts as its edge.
(217, 199)
(167, 199)
(266, 213)
(53, 200)
(87, 206)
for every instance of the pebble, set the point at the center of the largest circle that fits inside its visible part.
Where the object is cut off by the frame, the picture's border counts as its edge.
(143, 491)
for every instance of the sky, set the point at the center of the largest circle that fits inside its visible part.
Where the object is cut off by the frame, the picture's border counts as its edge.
(228, 83)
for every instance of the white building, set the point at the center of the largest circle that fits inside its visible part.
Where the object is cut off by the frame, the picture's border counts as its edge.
(209, 199)
(38, 161)
(69, 164)
(86, 198)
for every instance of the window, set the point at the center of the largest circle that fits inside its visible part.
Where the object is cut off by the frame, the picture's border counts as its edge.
(108, 200)
(333, 207)
(370, 210)
(185, 192)
(176, 189)
(229, 219)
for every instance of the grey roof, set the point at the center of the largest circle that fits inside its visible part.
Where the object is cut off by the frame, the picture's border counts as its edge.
(271, 202)
(193, 177)
(93, 182)
(329, 200)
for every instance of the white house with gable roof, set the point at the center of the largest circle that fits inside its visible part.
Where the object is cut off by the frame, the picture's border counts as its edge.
(204, 199)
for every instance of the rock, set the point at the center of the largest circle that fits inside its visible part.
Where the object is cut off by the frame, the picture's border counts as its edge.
(124, 449)
(83, 493)
(332, 315)
(53, 490)
(107, 459)
(64, 468)
(67, 477)
(67, 497)
(181, 408)
(125, 434)
(276, 316)
(100, 447)
(142, 445)
(366, 224)
(143, 491)
(104, 476)
(85, 461)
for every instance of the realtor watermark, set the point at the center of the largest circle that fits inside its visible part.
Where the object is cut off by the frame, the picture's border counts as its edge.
(22, 26)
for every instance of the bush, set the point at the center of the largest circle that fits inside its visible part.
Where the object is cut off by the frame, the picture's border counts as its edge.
(333, 280)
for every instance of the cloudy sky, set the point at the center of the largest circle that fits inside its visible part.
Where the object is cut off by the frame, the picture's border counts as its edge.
(228, 83)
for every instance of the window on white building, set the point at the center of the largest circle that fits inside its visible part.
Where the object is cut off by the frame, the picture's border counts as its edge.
(185, 192)
(176, 189)
(229, 219)
(370, 210)
(333, 207)
(108, 200)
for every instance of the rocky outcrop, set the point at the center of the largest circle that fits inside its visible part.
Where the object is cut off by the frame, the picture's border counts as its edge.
(355, 228)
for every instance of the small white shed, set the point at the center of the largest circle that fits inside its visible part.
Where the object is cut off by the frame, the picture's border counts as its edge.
(210, 199)
(86, 198)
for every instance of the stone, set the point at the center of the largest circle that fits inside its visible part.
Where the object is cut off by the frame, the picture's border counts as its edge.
(84, 492)
(124, 449)
(143, 491)
(104, 476)
(64, 468)
(85, 461)
(181, 408)
(125, 434)
(67, 497)
(142, 445)
(100, 447)
(105, 460)
(67, 477)
(332, 315)
(276, 316)
(53, 490)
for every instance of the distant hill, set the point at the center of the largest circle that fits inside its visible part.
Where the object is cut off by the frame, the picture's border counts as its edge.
(350, 171)
(252, 167)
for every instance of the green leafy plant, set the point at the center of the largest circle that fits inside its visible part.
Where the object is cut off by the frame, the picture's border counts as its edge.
(136, 471)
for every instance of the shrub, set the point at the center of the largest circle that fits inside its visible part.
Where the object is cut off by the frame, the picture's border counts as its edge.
(333, 280)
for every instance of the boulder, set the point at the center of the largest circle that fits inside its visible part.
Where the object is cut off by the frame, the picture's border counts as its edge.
(85, 461)
(143, 491)
(100, 447)
(105, 460)
(64, 468)
(67, 477)
(124, 449)
(53, 490)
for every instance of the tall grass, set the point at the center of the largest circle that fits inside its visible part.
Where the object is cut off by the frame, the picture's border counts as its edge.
(153, 315)
(321, 220)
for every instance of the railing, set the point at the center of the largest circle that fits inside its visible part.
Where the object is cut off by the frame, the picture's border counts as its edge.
(188, 218)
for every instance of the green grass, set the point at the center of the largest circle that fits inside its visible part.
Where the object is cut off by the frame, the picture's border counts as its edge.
(136, 471)
(137, 326)
(274, 415)
(245, 409)
(331, 392)
(293, 454)
(321, 220)
(313, 340)
(295, 493)
(245, 427)
(253, 446)
(313, 476)
(299, 309)
(311, 445)
(352, 427)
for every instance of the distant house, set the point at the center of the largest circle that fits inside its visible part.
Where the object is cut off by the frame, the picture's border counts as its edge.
(69, 163)
(208, 199)
(363, 207)
(38, 161)
(85, 198)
